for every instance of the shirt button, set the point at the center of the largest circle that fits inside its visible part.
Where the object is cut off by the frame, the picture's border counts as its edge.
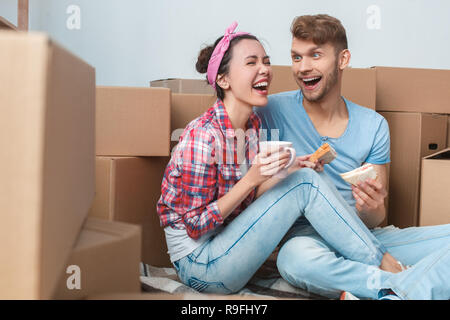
(324, 138)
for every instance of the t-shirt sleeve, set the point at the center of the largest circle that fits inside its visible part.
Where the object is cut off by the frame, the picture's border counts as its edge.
(380, 152)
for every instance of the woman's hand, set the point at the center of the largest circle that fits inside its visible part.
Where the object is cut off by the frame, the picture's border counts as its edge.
(300, 162)
(303, 162)
(263, 168)
(265, 165)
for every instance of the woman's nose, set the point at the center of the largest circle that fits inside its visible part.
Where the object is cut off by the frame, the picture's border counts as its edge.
(264, 69)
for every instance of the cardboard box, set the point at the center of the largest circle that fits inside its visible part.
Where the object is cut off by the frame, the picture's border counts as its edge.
(184, 85)
(132, 121)
(47, 159)
(282, 79)
(105, 259)
(6, 25)
(127, 190)
(358, 84)
(448, 131)
(413, 90)
(413, 136)
(434, 190)
(185, 108)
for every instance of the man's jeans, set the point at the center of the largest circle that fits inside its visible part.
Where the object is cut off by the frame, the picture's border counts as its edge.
(224, 263)
(322, 270)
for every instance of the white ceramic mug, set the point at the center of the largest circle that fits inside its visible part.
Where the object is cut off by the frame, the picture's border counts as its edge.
(275, 147)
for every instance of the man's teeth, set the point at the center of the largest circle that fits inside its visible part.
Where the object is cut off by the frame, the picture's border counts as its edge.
(261, 84)
(311, 79)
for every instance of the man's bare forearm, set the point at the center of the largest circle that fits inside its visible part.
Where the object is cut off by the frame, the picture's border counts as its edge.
(373, 219)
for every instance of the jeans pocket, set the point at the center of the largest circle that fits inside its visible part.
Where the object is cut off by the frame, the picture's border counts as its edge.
(208, 287)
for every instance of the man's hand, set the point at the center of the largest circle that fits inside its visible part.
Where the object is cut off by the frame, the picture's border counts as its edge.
(369, 196)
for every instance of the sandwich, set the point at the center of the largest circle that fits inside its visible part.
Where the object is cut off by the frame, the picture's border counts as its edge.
(325, 153)
(363, 173)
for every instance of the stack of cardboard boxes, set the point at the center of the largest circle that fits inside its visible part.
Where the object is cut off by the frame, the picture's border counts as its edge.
(415, 102)
(50, 248)
(132, 149)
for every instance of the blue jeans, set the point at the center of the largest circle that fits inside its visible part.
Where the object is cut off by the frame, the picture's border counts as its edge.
(226, 262)
(320, 269)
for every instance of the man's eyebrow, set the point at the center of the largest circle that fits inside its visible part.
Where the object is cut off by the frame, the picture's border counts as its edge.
(310, 50)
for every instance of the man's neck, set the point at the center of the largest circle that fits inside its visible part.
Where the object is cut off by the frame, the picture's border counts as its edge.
(332, 106)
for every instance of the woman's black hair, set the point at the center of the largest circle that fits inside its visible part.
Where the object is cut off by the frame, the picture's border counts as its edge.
(205, 55)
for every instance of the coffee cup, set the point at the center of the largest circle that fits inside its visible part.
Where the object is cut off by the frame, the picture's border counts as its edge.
(273, 148)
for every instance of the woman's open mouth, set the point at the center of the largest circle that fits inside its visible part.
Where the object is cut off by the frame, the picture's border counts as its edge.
(261, 87)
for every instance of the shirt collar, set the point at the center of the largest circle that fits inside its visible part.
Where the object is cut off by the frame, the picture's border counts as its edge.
(225, 122)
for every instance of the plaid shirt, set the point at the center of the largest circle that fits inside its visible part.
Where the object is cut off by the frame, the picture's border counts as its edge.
(204, 166)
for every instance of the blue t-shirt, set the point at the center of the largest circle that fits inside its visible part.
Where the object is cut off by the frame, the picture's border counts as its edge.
(366, 138)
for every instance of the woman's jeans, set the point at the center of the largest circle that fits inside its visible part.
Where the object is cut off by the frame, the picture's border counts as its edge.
(227, 261)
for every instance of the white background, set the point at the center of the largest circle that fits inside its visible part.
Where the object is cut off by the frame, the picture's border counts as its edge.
(131, 42)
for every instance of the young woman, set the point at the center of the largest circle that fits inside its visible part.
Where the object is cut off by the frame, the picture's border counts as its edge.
(223, 210)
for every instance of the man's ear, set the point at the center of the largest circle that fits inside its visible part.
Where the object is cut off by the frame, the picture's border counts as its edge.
(222, 82)
(344, 59)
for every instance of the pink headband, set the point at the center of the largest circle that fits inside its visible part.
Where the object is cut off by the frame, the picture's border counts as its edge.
(219, 51)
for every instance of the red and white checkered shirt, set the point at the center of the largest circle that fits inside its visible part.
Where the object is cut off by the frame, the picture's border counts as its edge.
(204, 166)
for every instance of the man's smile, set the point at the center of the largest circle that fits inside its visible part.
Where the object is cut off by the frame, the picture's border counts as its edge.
(311, 82)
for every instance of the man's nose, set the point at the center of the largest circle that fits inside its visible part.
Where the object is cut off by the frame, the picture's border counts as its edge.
(305, 65)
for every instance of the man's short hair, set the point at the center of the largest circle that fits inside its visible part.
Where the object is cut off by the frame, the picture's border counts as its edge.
(321, 29)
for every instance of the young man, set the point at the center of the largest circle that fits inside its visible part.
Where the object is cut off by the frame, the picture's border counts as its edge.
(315, 114)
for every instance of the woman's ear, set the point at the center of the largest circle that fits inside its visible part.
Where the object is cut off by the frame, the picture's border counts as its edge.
(222, 82)
(344, 59)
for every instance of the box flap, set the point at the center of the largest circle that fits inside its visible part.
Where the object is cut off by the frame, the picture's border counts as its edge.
(6, 25)
(440, 155)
